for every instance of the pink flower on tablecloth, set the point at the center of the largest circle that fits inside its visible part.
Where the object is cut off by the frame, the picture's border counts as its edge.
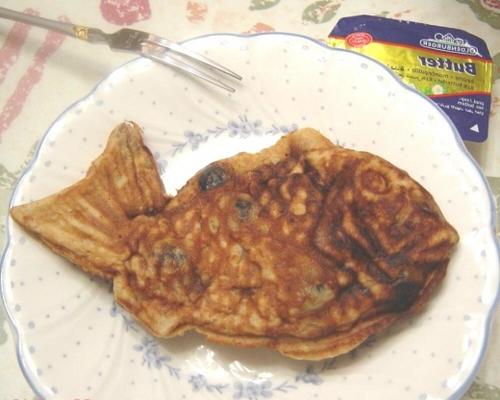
(492, 5)
(196, 11)
(260, 27)
(401, 13)
(125, 12)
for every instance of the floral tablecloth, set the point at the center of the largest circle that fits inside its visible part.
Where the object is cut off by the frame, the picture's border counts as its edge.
(42, 72)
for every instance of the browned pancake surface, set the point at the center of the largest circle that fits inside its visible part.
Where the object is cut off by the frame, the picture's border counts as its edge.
(305, 247)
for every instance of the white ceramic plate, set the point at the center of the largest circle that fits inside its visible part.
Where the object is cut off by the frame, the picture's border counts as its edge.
(73, 342)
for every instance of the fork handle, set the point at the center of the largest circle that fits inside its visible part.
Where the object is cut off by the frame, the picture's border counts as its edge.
(81, 32)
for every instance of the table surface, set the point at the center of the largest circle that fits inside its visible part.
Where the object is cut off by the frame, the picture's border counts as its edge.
(41, 73)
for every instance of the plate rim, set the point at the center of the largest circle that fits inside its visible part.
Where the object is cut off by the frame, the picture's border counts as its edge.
(28, 374)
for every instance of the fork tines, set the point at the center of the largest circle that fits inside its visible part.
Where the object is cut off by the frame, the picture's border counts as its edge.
(170, 53)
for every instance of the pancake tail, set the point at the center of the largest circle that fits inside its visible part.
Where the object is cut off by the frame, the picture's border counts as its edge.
(90, 222)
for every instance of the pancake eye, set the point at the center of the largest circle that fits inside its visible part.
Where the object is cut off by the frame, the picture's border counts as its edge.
(212, 178)
(375, 182)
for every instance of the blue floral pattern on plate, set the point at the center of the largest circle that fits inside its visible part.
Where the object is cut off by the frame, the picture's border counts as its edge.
(128, 321)
(199, 382)
(257, 390)
(152, 357)
(243, 128)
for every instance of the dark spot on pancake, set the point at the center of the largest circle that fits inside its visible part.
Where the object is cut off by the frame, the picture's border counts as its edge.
(194, 284)
(213, 177)
(354, 289)
(397, 260)
(426, 208)
(319, 287)
(151, 211)
(246, 291)
(172, 258)
(337, 236)
(244, 208)
(404, 295)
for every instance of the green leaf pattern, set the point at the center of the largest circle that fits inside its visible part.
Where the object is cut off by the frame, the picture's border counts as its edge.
(8, 178)
(262, 4)
(496, 67)
(482, 391)
(320, 11)
(7, 181)
(495, 189)
(492, 18)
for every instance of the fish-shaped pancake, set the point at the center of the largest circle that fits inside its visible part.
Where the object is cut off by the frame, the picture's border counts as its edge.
(305, 247)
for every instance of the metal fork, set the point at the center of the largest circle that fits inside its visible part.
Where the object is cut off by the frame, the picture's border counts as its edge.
(146, 44)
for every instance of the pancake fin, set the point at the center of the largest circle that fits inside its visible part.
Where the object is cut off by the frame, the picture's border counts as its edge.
(91, 222)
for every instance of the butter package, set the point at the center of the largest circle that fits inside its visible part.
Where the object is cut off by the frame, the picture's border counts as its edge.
(451, 66)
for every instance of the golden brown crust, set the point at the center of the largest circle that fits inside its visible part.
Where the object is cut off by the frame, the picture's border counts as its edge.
(304, 247)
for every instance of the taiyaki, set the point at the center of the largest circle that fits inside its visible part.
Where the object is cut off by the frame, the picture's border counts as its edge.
(305, 247)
